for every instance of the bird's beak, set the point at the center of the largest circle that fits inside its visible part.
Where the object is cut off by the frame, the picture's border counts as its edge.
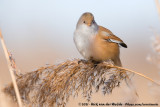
(89, 24)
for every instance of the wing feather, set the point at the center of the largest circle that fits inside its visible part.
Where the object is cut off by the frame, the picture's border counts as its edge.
(109, 36)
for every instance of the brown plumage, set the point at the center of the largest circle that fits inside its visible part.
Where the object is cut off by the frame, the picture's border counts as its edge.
(96, 42)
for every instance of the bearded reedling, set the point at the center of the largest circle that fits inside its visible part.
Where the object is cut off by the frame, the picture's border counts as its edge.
(95, 42)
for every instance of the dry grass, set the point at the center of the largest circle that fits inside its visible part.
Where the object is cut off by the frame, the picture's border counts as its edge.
(154, 58)
(158, 7)
(12, 69)
(3, 102)
(53, 85)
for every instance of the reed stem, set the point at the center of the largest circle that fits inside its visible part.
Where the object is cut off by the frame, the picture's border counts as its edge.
(11, 71)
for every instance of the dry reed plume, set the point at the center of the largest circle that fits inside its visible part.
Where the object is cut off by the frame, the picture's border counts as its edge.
(155, 59)
(53, 85)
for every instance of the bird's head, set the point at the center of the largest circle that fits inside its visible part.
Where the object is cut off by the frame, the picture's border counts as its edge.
(86, 19)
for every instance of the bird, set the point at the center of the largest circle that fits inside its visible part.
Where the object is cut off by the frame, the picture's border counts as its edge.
(95, 42)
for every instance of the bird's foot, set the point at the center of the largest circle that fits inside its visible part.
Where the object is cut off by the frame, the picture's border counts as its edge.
(93, 62)
(82, 61)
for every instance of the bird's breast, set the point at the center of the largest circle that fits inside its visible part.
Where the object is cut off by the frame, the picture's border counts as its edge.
(84, 42)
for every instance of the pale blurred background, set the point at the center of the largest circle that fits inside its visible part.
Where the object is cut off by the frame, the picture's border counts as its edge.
(39, 32)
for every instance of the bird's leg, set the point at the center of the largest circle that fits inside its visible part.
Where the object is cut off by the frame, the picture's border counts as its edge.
(82, 61)
(90, 61)
(94, 62)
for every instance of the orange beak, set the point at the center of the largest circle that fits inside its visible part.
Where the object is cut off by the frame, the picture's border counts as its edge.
(89, 24)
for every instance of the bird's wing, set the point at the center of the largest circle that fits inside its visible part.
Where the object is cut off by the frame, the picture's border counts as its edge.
(110, 37)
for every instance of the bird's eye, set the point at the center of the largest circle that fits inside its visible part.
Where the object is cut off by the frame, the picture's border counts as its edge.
(84, 22)
(93, 21)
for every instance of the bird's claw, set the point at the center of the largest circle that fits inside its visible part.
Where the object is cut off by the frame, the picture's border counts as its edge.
(82, 61)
